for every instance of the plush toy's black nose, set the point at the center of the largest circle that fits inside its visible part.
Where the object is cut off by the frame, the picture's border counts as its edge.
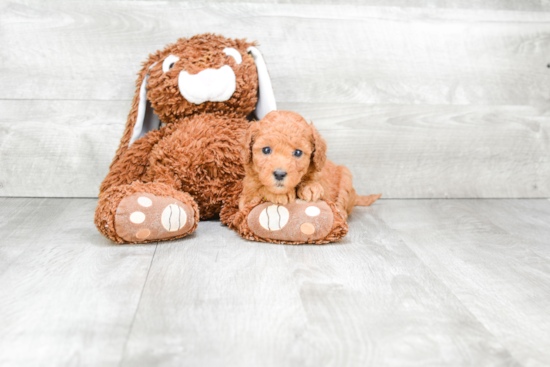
(279, 175)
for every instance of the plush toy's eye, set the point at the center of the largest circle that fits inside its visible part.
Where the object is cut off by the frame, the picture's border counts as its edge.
(169, 62)
(266, 150)
(297, 153)
(230, 51)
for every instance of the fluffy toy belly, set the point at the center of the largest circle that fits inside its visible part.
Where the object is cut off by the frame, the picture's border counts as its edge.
(213, 185)
(202, 158)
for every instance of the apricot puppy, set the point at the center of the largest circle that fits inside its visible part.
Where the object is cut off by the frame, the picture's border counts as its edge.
(285, 158)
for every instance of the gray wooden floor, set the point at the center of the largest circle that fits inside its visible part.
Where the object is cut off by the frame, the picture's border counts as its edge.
(416, 283)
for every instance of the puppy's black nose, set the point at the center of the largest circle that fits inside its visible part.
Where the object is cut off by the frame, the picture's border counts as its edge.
(279, 175)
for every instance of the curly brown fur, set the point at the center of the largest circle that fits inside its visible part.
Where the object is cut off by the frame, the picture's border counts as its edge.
(208, 168)
(196, 156)
(309, 176)
(196, 53)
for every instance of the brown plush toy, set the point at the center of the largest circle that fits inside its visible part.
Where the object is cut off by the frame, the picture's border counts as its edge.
(180, 157)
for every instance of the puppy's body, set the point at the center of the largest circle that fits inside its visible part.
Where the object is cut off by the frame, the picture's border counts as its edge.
(285, 159)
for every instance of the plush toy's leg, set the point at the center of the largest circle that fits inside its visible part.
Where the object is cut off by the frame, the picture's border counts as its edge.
(145, 212)
(295, 223)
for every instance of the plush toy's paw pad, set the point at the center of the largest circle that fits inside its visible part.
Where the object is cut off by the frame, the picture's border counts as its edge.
(146, 217)
(299, 221)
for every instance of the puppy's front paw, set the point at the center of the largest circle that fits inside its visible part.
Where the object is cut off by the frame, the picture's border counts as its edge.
(311, 191)
(280, 199)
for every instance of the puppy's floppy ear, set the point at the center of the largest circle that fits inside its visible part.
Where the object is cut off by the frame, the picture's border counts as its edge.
(319, 155)
(248, 141)
(266, 99)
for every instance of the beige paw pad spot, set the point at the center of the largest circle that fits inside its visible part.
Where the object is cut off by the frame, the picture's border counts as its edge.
(173, 218)
(307, 228)
(313, 211)
(143, 233)
(146, 202)
(137, 217)
(274, 217)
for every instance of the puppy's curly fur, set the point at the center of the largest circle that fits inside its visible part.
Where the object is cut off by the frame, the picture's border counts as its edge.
(283, 144)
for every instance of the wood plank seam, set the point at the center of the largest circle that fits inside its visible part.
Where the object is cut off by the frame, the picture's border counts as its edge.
(137, 307)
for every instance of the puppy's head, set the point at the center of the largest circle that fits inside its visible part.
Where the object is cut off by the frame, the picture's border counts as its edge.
(282, 149)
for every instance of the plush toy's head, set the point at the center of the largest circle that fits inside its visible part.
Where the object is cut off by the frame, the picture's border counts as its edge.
(201, 74)
(281, 149)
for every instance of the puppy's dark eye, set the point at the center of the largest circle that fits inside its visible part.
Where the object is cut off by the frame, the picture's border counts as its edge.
(297, 153)
(266, 150)
(171, 65)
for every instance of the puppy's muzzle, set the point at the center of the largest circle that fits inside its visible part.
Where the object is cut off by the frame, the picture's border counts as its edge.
(209, 85)
(279, 174)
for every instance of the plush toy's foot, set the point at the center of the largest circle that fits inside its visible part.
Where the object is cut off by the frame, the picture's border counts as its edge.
(298, 222)
(144, 217)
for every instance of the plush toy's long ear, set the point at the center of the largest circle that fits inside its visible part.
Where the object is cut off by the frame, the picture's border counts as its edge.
(146, 119)
(141, 117)
(138, 114)
(266, 99)
(319, 155)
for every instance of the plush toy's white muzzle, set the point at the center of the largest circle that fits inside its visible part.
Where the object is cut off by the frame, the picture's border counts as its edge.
(214, 85)
(210, 85)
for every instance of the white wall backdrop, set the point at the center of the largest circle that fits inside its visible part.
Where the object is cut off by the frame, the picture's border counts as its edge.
(420, 99)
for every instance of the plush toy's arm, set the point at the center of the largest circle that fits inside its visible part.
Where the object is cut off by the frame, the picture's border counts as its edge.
(132, 163)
